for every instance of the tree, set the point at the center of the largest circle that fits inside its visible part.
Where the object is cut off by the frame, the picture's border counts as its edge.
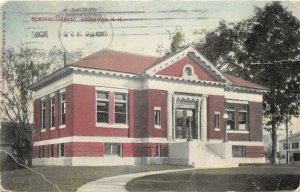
(270, 39)
(22, 67)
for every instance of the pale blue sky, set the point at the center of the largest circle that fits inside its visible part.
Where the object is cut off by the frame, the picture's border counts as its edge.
(140, 36)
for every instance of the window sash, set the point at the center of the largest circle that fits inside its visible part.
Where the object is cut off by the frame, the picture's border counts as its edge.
(237, 116)
(113, 149)
(121, 108)
(295, 145)
(62, 109)
(43, 114)
(52, 112)
(238, 151)
(158, 150)
(217, 120)
(157, 117)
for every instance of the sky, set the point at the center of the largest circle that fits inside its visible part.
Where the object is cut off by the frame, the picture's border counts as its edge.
(142, 28)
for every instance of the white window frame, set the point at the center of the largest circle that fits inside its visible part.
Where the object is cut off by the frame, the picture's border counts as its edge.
(112, 124)
(158, 150)
(111, 149)
(61, 92)
(219, 118)
(103, 100)
(296, 143)
(43, 114)
(236, 103)
(60, 146)
(157, 126)
(119, 101)
(52, 110)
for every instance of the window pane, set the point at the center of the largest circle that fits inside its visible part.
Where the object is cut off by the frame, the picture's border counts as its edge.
(242, 120)
(231, 119)
(120, 118)
(120, 97)
(107, 150)
(230, 106)
(157, 117)
(242, 107)
(238, 151)
(217, 121)
(102, 117)
(115, 149)
(102, 106)
(120, 107)
(102, 95)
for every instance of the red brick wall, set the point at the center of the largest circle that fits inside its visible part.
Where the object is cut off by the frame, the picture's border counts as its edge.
(157, 98)
(85, 114)
(255, 151)
(176, 69)
(88, 149)
(256, 114)
(215, 104)
(140, 113)
(143, 149)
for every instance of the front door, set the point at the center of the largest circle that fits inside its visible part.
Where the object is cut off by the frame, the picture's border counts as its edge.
(182, 123)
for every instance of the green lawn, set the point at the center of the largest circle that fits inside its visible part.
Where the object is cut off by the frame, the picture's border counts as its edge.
(262, 178)
(67, 178)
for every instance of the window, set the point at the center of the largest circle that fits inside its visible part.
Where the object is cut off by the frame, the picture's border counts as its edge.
(285, 146)
(238, 151)
(157, 117)
(295, 145)
(217, 120)
(121, 108)
(40, 152)
(61, 150)
(43, 114)
(112, 149)
(102, 110)
(237, 116)
(52, 112)
(158, 152)
(188, 71)
(52, 150)
(242, 116)
(62, 109)
(43, 151)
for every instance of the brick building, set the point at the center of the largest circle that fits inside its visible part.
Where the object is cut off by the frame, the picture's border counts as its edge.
(118, 108)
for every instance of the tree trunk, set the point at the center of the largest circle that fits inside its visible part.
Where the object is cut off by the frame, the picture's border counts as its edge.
(274, 143)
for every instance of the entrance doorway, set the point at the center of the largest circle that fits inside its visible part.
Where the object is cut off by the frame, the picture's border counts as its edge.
(182, 123)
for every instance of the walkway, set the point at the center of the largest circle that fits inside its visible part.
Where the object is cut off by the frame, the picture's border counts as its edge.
(117, 183)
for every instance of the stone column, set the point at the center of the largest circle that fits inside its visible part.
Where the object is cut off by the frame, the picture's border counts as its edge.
(204, 119)
(198, 116)
(169, 115)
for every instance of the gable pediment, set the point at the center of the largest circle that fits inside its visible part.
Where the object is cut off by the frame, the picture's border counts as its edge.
(187, 64)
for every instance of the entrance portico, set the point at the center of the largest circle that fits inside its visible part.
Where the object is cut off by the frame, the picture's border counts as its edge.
(179, 105)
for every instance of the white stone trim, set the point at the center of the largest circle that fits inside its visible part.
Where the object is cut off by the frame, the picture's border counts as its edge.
(237, 101)
(105, 72)
(203, 122)
(185, 87)
(52, 95)
(238, 131)
(255, 97)
(55, 86)
(43, 130)
(52, 128)
(100, 139)
(62, 126)
(62, 90)
(193, 76)
(111, 89)
(109, 81)
(115, 125)
(169, 115)
(242, 143)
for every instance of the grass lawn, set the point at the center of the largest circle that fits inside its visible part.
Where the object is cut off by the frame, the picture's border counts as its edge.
(262, 178)
(66, 178)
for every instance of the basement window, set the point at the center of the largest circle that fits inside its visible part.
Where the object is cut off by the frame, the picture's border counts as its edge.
(113, 149)
(238, 151)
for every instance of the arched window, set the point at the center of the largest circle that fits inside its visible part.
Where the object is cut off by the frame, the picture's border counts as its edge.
(188, 71)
